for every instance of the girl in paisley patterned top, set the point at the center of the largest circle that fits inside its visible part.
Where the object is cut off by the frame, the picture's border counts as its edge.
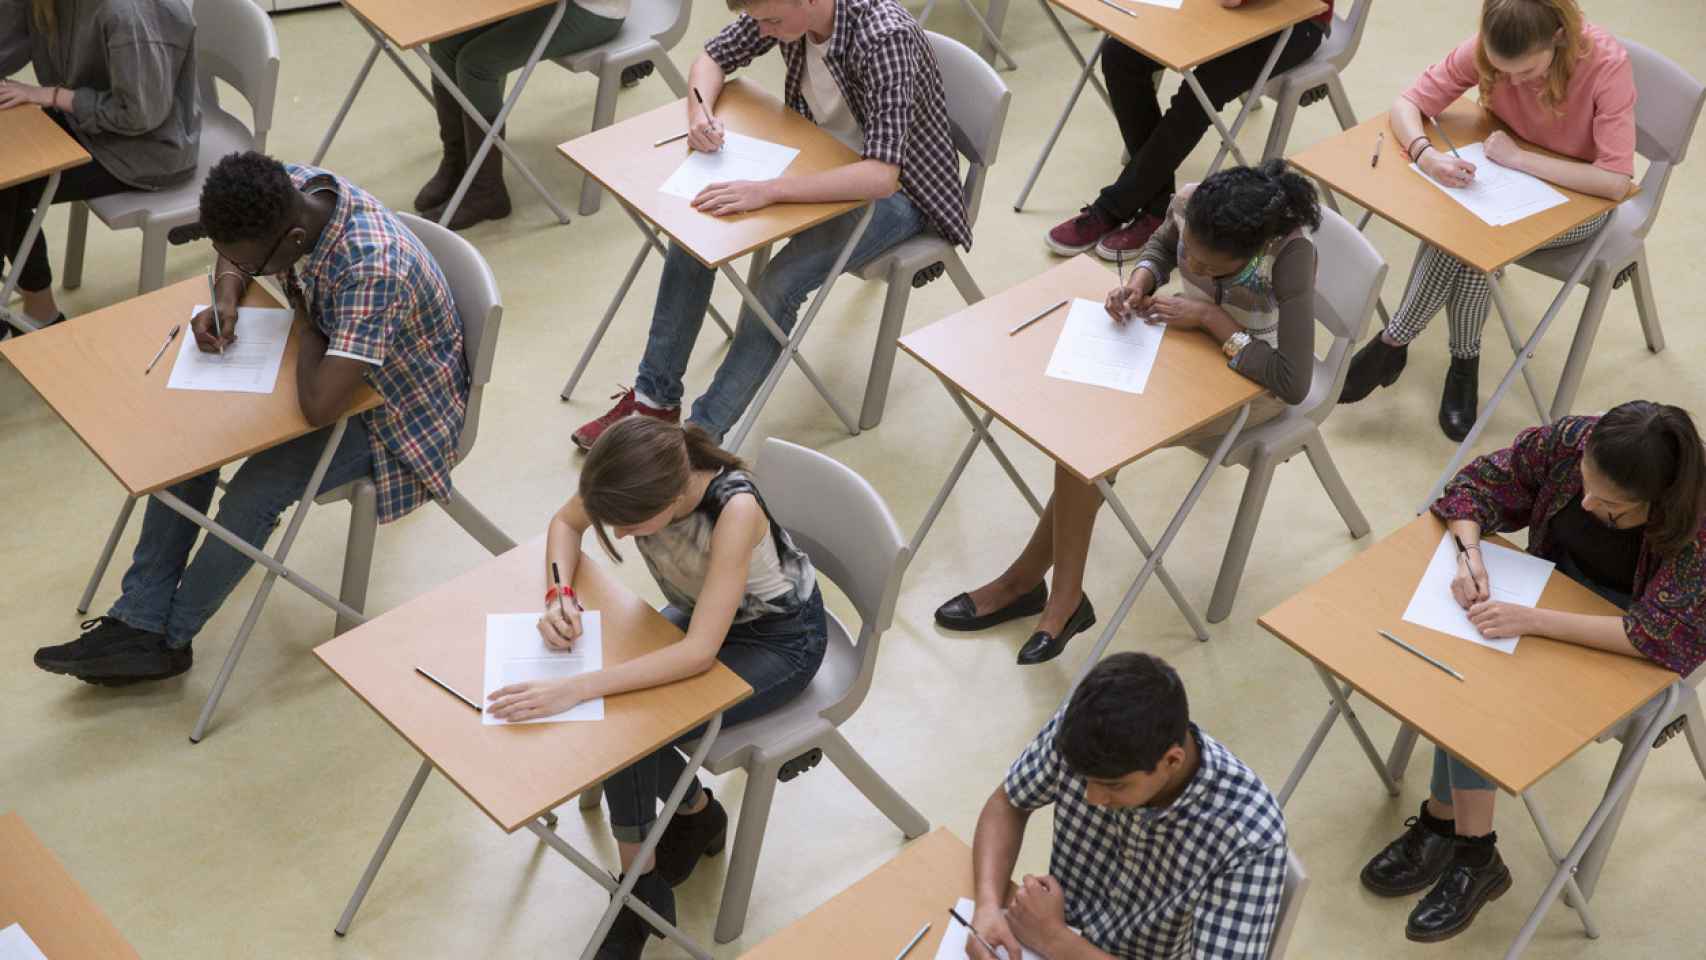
(736, 583)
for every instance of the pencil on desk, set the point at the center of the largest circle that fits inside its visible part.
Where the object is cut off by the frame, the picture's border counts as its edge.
(1419, 653)
(913, 942)
(1129, 13)
(447, 688)
(667, 140)
(1379, 142)
(1024, 324)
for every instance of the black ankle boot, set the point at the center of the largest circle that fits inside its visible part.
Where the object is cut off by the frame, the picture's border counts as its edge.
(1414, 860)
(1377, 364)
(1458, 400)
(1475, 877)
(628, 935)
(689, 838)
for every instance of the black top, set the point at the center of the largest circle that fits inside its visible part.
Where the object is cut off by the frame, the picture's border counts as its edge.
(1605, 555)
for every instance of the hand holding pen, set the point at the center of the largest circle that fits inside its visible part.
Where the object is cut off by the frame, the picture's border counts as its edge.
(705, 133)
(560, 625)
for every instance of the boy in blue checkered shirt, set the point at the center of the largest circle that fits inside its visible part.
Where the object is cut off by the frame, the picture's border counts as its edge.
(1165, 845)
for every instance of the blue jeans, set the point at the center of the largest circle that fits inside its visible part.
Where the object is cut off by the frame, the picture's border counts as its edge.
(801, 267)
(161, 594)
(777, 656)
(1451, 772)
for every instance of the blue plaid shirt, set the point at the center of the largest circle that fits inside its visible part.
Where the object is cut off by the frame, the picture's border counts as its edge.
(373, 289)
(1199, 878)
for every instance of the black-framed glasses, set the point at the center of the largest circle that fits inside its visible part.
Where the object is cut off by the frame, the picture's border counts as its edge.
(259, 271)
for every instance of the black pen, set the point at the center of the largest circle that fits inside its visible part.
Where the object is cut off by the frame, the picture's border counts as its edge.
(1379, 142)
(973, 931)
(1460, 547)
(557, 579)
(170, 336)
(449, 689)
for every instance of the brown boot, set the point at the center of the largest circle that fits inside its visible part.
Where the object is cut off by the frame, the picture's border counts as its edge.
(432, 198)
(487, 197)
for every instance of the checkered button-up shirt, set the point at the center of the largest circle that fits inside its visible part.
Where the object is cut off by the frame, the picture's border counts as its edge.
(373, 289)
(881, 61)
(1198, 878)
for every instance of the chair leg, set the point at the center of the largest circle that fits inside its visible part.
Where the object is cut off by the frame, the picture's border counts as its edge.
(475, 523)
(882, 795)
(76, 240)
(666, 69)
(151, 276)
(1279, 130)
(1695, 728)
(1646, 306)
(603, 112)
(1341, 103)
(1581, 345)
(1328, 473)
(962, 278)
(743, 859)
(591, 796)
(882, 356)
(1243, 535)
(358, 552)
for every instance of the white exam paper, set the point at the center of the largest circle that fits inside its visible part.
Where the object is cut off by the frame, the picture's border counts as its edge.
(1094, 349)
(955, 935)
(742, 158)
(515, 653)
(249, 365)
(1499, 195)
(15, 944)
(1512, 577)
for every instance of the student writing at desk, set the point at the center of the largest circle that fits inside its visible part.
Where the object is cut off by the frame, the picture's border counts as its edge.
(119, 75)
(379, 310)
(735, 582)
(1557, 81)
(1240, 241)
(863, 71)
(1619, 503)
(1165, 844)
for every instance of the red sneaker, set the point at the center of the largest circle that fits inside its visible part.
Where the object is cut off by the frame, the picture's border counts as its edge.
(1124, 243)
(1079, 234)
(627, 404)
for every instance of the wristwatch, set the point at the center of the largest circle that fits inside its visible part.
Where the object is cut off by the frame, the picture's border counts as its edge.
(1235, 344)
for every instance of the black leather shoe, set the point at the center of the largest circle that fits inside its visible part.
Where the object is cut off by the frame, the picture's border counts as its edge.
(961, 614)
(1377, 364)
(1410, 863)
(628, 935)
(690, 837)
(1462, 890)
(1042, 647)
(1458, 400)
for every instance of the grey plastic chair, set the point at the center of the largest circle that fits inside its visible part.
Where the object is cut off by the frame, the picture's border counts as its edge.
(234, 42)
(1291, 904)
(977, 101)
(480, 308)
(1666, 111)
(1348, 278)
(652, 29)
(1322, 69)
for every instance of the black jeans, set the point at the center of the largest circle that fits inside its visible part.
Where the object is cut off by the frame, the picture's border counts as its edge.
(777, 656)
(1158, 142)
(18, 207)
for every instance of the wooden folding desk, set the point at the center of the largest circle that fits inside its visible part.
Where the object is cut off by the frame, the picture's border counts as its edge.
(518, 774)
(35, 147)
(1514, 717)
(412, 24)
(1180, 40)
(1092, 431)
(626, 160)
(876, 917)
(90, 371)
(1415, 205)
(38, 893)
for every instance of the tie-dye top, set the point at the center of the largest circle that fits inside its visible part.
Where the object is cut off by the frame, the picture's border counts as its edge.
(779, 577)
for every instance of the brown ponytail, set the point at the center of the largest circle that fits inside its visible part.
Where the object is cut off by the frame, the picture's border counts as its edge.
(43, 16)
(1652, 451)
(638, 467)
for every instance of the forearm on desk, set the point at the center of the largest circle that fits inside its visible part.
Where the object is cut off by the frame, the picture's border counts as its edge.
(1576, 175)
(860, 180)
(1599, 632)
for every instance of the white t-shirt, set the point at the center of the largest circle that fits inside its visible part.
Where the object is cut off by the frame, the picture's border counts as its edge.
(829, 109)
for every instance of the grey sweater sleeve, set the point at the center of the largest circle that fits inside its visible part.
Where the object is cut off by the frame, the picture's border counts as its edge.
(1162, 249)
(1288, 370)
(14, 36)
(144, 71)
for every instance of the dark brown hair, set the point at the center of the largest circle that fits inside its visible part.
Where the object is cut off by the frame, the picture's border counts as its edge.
(1652, 452)
(638, 467)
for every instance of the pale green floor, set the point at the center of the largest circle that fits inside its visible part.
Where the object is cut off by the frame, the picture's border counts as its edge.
(247, 844)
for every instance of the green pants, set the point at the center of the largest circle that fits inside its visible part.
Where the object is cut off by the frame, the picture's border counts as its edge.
(480, 59)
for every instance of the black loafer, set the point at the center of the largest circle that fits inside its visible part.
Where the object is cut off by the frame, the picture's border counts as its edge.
(1043, 647)
(1461, 892)
(1457, 401)
(689, 838)
(961, 614)
(1410, 863)
(629, 933)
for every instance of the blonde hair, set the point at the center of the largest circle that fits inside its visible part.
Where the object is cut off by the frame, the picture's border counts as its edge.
(1515, 28)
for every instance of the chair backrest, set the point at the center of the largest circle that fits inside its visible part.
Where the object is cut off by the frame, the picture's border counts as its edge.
(1340, 46)
(1291, 902)
(977, 101)
(478, 305)
(1667, 107)
(672, 34)
(842, 523)
(235, 42)
(1349, 273)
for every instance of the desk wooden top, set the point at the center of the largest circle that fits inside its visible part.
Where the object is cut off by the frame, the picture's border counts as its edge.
(37, 892)
(1409, 200)
(1198, 31)
(89, 370)
(875, 917)
(35, 147)
(623, 159)
(410, 23)
(1514, 717)
(517, 773)
(1092, 431)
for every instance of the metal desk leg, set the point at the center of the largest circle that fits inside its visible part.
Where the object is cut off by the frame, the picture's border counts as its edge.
(1572, 891)
(1066, 38)
(1503, 310)
(107, 552)
(384, 849)
(1059, 125)
(979, 434)
(380, 44)
(1228, 138)
(19, 320)
(1340, 705)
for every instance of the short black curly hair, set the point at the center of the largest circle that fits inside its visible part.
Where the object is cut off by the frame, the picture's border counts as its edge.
(1127, 713)
(247, 196)
(1239, 209)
